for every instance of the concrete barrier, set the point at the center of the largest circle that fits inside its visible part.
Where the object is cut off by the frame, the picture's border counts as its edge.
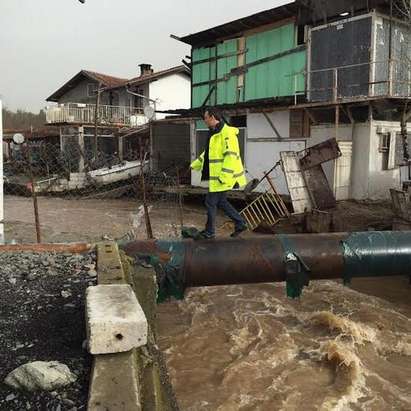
(115, 320)
(137, 379)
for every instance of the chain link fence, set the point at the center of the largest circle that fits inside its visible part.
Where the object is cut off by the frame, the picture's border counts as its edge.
(61, 190)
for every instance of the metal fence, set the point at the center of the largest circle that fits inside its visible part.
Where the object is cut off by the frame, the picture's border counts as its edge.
(80, 193)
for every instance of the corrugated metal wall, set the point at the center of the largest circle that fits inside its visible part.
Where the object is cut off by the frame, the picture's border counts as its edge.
(268, 79)
(337, 45)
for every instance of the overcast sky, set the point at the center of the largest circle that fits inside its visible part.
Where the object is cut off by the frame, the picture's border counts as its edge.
(43, 43)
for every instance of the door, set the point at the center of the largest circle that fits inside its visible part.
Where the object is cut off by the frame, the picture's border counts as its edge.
(342, 174)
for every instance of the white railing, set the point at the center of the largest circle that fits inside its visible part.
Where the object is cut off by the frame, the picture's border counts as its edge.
(85, 114)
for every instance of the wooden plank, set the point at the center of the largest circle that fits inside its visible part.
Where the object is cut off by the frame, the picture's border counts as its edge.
(320, 153)
(320, 192)
(296, 184)
(74, 248)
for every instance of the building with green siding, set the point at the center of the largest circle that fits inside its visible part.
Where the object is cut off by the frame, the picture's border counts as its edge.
(301, 73)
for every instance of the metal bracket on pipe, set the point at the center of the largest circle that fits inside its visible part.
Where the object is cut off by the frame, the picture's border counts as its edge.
(297, 271)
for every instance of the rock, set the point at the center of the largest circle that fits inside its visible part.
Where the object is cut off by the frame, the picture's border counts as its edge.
(66, 294)
(40, 375)
(32, 276)
(12, 281)
(68, 402)
(92, 273)
(51, 261)
(10, 397)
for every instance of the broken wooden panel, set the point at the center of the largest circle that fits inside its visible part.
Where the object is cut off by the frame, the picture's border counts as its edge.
(319, 190)
(297, 186)
(320, 153)
(400, 204)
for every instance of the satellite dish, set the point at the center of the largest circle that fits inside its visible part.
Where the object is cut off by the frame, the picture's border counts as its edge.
(149, 111)
(18, 138)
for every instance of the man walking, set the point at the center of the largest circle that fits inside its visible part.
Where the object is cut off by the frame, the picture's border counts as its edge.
(220, 164)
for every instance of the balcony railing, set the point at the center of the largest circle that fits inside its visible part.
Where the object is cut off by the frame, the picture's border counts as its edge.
(85, 114)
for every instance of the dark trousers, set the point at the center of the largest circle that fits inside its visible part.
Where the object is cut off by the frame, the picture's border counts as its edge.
(219, 200)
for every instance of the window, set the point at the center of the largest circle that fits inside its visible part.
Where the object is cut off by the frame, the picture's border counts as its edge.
(301, 35)
(139, 101)
(384, 149)
(91, 89)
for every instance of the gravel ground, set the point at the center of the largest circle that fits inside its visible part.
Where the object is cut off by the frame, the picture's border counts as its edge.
(42, 319)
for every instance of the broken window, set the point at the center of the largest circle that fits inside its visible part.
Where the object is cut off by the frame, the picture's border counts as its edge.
(300, 35)
(384, 149)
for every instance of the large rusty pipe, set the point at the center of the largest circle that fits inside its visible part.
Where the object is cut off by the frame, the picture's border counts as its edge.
(260, 260)
(264, 259)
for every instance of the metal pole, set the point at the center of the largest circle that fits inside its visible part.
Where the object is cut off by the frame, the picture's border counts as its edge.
(33, 193)
(1, 178)
(149, 229)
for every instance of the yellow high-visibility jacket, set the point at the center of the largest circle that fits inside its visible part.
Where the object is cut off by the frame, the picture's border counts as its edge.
(226, 167)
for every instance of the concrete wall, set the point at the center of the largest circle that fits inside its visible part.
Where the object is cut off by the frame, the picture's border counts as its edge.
(171, 93)
(368, 179)
(360, 162)
(259, 127)
(380, 181)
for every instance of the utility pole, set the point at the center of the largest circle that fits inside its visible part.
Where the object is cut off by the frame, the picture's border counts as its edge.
(96, 120)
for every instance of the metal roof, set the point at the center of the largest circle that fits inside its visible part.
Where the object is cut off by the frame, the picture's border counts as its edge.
(304, 11)
(246, 23)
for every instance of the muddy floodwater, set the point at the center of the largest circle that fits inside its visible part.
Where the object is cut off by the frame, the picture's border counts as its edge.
(250, 348)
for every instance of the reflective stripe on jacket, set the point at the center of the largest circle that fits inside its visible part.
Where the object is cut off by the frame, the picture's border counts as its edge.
(226, 167)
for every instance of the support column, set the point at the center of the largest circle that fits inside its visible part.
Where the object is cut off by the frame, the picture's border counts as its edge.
(81, 146)
(121, 148)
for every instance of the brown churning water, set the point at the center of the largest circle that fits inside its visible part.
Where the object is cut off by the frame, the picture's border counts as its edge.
(249, 348)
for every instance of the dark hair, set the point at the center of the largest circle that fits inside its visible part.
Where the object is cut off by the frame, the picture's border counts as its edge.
(213, 111)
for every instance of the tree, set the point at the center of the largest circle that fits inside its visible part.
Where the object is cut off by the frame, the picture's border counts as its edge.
(22, 119)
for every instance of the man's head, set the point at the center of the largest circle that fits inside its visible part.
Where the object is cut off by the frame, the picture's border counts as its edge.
(212, 117)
